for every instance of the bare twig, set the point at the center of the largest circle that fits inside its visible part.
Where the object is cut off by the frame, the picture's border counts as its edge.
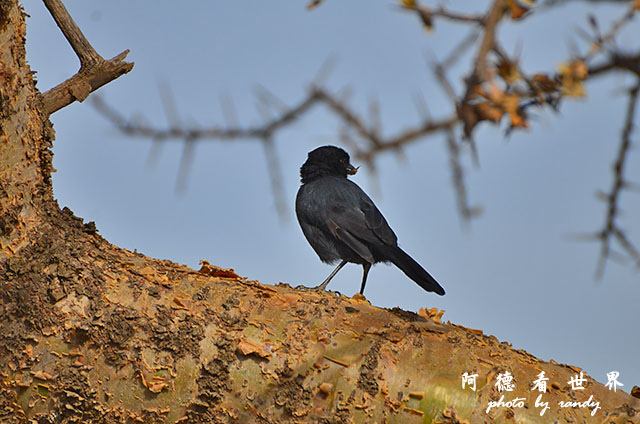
(375, 143)
(182, 132)
(601, 40)
(315, 95)
(441, 12)
(84, 50)
(370, 135)
(617, 61)
(275, 174)
(190, 136)
(348, 116)
(426, 14)
(457, 175)
(94, 70)
(611, 228)
(186, 160)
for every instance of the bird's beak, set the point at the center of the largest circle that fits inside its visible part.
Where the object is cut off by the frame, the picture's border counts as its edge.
(351, 170)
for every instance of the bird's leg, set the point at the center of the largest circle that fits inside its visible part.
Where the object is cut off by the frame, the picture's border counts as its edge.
(323, 285)
(365, 271)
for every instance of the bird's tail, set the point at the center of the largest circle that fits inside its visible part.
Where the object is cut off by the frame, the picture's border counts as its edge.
(414, 270)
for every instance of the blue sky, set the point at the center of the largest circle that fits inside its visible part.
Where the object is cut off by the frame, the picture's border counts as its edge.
(514, 272)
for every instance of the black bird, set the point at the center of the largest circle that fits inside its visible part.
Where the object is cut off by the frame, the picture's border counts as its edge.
(342, 223)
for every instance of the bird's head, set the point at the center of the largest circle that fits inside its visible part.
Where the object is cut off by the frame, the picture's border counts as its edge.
(325, 161)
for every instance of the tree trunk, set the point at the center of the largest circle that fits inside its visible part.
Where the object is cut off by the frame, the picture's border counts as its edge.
(90, 332)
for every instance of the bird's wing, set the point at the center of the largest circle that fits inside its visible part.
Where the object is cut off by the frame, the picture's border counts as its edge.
(342, 233)
(358, 215)
(376, 222)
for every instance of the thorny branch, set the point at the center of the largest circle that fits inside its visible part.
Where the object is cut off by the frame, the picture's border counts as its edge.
(265, 132)
(495, 87)
(457, 176)
(611, 228)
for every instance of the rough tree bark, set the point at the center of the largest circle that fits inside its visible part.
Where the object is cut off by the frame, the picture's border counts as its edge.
(90, 332)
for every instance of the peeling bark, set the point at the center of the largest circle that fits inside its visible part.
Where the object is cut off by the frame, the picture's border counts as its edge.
(90, 332)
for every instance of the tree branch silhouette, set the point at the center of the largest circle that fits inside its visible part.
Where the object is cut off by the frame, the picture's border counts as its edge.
(612, 229)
